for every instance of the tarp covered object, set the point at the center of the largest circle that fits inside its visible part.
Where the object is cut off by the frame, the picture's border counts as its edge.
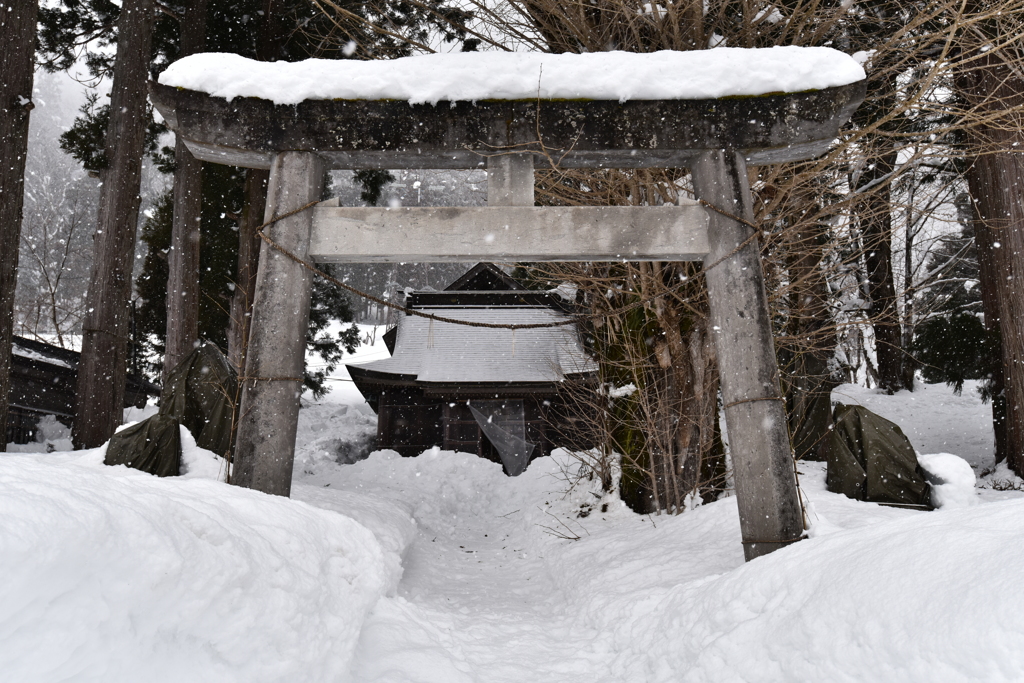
(869, 458)
(809, 422)
(200, 394)
(153, 445)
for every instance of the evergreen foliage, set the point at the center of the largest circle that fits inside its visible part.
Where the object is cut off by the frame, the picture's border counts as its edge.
(373, 183)
(296, 30)
(85, 140)
(328, 303)
(953, 345)
(953, 348)
(954, 267)
(222, 200)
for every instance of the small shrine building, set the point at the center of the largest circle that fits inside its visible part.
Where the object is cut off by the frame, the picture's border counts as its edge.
(504, 394)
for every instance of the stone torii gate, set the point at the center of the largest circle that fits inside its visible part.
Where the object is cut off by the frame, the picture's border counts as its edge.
(716, 139)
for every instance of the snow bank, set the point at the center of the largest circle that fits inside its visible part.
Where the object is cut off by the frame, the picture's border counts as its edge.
(198, 462)
(932, 597)
(491, 592)
(51, 436)
(442, 489)
(113, 575)
(952, 480)
(337, 433)
(666, 75)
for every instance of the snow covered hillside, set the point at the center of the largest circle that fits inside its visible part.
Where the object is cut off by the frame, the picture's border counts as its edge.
(440, 568)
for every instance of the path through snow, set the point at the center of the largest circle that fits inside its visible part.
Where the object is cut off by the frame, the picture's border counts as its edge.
(493, 591)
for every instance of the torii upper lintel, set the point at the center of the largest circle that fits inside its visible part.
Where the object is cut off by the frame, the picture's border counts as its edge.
(355, 134)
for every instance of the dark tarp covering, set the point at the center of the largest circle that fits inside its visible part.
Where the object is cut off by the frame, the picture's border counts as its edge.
(809, 422)
(153, 445)
(200, 394)
(869, 458)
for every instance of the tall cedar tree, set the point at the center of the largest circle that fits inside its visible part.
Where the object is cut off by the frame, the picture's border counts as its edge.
(183, 294)
(99, 392)
(18, 37)
(990, 80)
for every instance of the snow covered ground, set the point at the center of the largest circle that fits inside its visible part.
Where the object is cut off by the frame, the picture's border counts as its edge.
(440, 568)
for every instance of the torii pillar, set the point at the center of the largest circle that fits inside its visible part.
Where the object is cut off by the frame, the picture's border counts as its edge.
(715, 139)
(268, 413)
(771, 514)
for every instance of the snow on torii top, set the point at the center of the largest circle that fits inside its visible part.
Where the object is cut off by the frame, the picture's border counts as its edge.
(472, 76)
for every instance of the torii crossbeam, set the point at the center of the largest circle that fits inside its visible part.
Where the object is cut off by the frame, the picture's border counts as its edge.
(715, 138)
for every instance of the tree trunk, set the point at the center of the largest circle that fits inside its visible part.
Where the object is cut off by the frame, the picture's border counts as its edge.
(248, 263)
(988, 276)
(273, 32)
(810, 339)
(105, 331)
(18, 37)
(909, 364)
(686, 406)
(269, 48)
(995, 178)
(875, 218)
(183, 260)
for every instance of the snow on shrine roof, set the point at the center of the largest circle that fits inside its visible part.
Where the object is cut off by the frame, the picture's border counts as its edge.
(433, 351)
(45, 353)
(472, 76)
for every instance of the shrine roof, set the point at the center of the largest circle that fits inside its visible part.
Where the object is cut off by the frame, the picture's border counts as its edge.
(430, 351)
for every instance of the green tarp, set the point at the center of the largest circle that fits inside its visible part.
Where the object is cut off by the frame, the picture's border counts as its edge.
(869, 458)
(200, 395)
(809, 421)
(153, 445)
